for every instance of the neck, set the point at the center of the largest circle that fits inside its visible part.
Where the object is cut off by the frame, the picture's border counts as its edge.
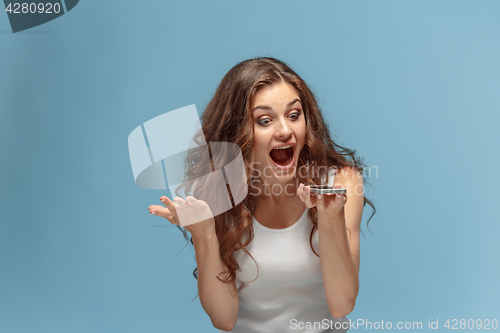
(277, 193)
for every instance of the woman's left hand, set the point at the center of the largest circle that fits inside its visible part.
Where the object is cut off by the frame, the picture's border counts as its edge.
(331, 203)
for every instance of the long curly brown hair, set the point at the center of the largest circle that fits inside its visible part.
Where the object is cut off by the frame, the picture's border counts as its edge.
(228, 118)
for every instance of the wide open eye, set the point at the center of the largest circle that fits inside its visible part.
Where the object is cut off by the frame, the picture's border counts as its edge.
(294, 116)
(264, 121)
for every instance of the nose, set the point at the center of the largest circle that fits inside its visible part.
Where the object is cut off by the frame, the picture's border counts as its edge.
(283, 131)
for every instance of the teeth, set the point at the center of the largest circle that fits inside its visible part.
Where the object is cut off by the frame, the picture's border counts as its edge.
(285, 147)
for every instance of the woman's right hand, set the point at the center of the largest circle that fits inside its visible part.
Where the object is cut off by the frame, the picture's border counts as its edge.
(192, 214)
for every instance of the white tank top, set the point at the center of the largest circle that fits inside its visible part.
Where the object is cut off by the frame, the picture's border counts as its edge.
(288, 294)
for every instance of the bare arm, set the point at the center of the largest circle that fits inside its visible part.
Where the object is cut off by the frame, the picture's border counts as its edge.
(339, 220)
(338, 267)
(219, 300)
(339, 243)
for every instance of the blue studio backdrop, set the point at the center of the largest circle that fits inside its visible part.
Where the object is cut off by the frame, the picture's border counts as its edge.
(412, 86)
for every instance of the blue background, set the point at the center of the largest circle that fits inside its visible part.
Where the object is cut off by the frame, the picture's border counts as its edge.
(412, 86)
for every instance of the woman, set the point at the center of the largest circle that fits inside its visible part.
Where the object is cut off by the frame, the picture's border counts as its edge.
(282, 260)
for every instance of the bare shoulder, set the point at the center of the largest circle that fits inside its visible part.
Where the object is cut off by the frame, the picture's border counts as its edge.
(348, 174)
(352, 180)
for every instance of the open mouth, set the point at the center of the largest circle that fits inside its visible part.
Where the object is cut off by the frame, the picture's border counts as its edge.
(282, 156)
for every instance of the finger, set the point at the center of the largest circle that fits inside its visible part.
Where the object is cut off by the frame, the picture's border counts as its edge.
(182, 204)
(159, 210)
(163, 212)
(337, 186)
(300, 192)
(339, 195)
(308, 199)
(305, 190)
(168, 203)
(320, 202)
(191, 200)
(178, 202)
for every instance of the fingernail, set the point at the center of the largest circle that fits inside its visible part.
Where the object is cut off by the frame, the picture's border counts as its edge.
(153, 213)
(305, 192)
(301, 185)
(319, 196)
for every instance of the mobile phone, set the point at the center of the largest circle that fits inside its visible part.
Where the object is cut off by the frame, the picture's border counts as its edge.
(325, 189)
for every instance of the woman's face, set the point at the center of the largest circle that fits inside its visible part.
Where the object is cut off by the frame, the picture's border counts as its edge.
(278, 123)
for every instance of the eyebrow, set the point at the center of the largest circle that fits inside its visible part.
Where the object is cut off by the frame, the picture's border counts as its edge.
(265, 107)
